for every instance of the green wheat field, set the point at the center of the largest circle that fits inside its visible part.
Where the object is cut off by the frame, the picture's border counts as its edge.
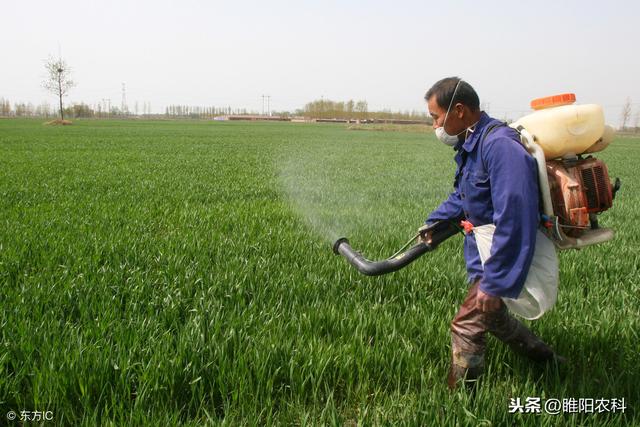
(180, 273)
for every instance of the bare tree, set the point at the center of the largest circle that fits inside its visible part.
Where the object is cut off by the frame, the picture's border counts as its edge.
(5, 107)
(58, 80)
(362, 108)
(626, 113)
(349, 106)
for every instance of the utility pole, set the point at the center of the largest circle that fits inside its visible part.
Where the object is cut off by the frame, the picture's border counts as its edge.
(263, 105)
(269, 105)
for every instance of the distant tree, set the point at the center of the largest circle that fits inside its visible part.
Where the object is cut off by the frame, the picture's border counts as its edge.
(58, 80)
(636, 121)
(19, 109)
(350, 106)
(22, 109)
(5, 107)
(43, 110)
(626, 113)
(362, 108)
(81, 110)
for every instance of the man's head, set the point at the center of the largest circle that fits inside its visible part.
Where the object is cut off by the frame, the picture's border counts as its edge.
(464, 108)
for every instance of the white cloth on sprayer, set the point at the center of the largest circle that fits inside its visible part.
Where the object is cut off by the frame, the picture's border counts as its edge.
(540, 289)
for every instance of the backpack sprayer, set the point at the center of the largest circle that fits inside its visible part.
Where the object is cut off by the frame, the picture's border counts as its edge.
(574, 186)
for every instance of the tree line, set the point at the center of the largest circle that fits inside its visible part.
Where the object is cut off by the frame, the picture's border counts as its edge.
(355, 110)
(73, 110)
(319, 109)
(198, 112)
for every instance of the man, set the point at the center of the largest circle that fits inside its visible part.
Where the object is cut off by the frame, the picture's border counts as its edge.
(495, 183)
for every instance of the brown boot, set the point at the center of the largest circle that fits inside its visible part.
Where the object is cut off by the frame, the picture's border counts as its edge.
(468, 343)
(526, 343)
(466, 368)
(520, 338)
(461, 375)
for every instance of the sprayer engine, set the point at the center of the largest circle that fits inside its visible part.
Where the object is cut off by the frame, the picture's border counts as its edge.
(580, 189)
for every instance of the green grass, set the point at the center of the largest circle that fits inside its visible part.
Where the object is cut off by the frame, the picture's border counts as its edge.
(180, 273)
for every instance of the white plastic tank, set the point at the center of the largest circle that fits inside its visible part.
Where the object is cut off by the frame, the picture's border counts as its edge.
(604, 141)
(563, 130)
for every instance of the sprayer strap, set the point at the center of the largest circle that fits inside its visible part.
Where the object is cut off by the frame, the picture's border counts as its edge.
(484, 136)
(491, 128)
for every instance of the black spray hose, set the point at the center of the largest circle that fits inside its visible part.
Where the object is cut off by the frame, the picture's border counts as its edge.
(439, 231)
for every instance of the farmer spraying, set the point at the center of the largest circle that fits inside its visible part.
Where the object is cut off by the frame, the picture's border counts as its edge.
(521, 192)
(495, 183)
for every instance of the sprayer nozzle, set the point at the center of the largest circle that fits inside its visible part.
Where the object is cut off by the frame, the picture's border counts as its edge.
(337, 244)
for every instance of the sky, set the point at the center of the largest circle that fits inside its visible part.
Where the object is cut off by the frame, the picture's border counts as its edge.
(230, 53)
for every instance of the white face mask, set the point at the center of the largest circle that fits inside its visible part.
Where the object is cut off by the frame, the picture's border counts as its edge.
(441, 134)
(445, 138)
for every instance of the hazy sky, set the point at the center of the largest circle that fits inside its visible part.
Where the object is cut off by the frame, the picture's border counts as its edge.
(389, 53)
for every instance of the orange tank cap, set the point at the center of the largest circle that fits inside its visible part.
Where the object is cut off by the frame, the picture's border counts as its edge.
(553, 101)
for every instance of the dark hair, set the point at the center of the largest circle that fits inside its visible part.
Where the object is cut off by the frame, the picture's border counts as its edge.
(443, 91)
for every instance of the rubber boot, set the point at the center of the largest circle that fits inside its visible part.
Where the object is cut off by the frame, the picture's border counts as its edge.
(520, 338)
(465, 369)
(468, 343)
(527, 344)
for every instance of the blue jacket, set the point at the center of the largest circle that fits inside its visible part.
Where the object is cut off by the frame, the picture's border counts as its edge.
(496, 182)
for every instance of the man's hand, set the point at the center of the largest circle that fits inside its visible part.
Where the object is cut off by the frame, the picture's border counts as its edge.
(487, 303)
(423, 235)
